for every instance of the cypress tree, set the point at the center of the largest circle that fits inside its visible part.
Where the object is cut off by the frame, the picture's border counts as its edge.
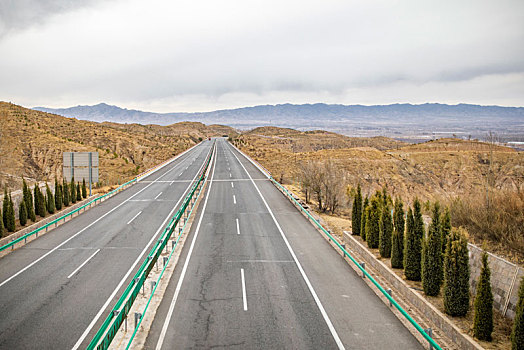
(2, 230)
(356, 214)
(50, 200)
(412, 249)
(432, 272)
(72, 188)
(386, 231)
(445, 227)
(84, 189)
(58, 196)
(78, 192)
(397, 244)
(40, 202)
(5, 206)
(22, 213)
(373, 223)
(456, 274)
(517, 334)
(28, 199)
(10, 216)
(65, 192)
(365, 215)
(483, 321)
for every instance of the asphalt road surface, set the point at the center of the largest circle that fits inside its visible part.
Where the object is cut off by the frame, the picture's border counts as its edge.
(255, 274)
(56, 291)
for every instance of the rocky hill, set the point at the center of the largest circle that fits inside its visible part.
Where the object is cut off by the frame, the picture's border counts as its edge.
(32, 143)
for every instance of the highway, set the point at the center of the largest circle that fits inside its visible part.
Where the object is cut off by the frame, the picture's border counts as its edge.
(57, 290)
(255, 274)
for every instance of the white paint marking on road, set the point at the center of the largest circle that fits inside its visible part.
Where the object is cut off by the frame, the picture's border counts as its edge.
(102, 309)
(232, 186)
(158, 195)
(134, 217)
(181, 174)
(238, 227)
(261, 261)
(244, 297)
(85, 262)
(234, 199)
(229, 174)
(304, 276)
(171, 183)
(184, 269)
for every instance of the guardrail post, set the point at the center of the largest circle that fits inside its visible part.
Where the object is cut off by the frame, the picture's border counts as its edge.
(153, 284)
(390, 292)
(363, 264)
(138, 316)
(343, 245)
(429, 332)
(165, 260)
(173, 244)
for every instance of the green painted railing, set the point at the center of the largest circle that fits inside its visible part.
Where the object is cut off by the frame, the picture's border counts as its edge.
(116, 317)
(63, 217)
(382, 290)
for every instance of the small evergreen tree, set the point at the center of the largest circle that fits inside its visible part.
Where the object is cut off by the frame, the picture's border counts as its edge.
(397, 244)
(40, 202)
(84, 189)
(5, 206)
(11, 225)
(72, 188)
(356, 214)
(446, 228)
(456, 274)
(78, 192)
(65, 193)
(517, 333)
(412, 249)
(50, 200)
(483, 320)
(365, 215)
(2, 230)
(28, 199)
(386, 231)
(432, 272)
(373, 223)
(58, 196)
(22, 213)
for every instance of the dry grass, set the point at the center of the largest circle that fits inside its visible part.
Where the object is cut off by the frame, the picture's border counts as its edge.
(32, 143)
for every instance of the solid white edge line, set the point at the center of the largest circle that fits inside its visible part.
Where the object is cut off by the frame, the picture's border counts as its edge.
(82, 230)
(244, 296)
(264, 172)
(158, 195)
(134, 217)
(186, 263)
(85, 262)
(238, 227)
(302, 272)
(102, 309)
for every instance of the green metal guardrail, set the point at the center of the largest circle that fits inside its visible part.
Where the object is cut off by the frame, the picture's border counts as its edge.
(63, 217)
(382, 290)
(137, 326)
(116, 317)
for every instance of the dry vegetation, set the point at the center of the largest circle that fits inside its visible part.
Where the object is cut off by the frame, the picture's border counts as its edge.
(32, 142)
(456, 172)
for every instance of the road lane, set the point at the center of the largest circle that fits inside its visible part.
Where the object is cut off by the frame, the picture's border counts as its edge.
(41, 307)
(281, 308)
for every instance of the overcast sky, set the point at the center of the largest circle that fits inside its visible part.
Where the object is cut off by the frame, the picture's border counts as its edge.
(174, 56)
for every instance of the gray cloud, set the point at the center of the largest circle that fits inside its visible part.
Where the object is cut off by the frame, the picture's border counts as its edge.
(20, 14)
(195, 55)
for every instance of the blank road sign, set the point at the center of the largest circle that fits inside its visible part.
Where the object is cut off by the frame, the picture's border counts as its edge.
(80, 159)
(76, 164)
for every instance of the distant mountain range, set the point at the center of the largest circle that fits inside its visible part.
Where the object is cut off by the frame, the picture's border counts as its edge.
(401, 120)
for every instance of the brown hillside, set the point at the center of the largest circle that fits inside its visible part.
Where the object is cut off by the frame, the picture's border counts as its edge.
(32, 143)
